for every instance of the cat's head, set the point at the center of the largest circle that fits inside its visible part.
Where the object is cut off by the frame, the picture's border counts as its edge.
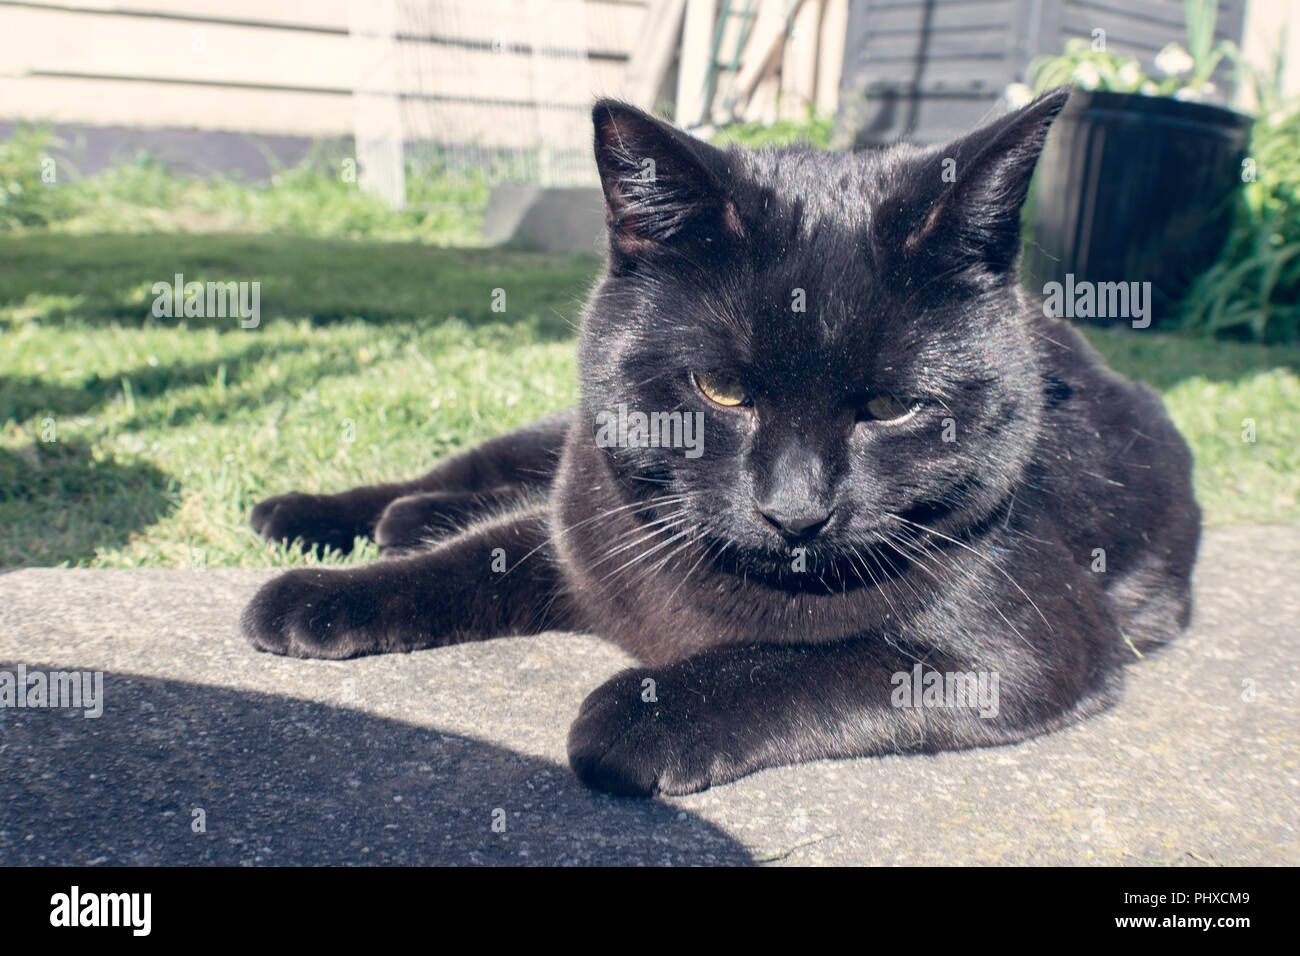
(846, 328)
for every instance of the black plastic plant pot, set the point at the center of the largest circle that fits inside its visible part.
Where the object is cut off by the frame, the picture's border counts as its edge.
(1132, 189)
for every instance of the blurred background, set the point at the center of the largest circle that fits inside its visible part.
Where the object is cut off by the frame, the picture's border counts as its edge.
(397, 206)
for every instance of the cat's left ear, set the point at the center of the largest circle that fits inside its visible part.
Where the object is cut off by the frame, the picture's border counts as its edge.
(981, 181)
(663, 188)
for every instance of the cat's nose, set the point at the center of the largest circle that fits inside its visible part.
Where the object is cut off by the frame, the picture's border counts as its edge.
(796, 521)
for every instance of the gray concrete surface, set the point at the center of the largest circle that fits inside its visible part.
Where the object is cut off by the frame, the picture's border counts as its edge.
(409, 759)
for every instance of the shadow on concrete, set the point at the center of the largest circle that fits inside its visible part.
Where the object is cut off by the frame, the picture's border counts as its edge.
(287, 782)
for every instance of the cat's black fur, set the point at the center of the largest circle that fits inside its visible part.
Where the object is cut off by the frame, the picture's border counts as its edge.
(978, 553)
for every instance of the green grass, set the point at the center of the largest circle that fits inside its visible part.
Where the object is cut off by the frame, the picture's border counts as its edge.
(166, 432)
(813, 130)
(317, 198)
(1210, 389)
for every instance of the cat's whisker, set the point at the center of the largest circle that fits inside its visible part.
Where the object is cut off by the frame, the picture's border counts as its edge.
(902, 576)
(613, 552)
(885, 632)
(880, 587)
(989, 561)
(686, 577)
(970, 576)
(853, 566)
(695, 537)
(914, 553)
(645, 554)
(967, 576)
(639, 506)
(676, 522)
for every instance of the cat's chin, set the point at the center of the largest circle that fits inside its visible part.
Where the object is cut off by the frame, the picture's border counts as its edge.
(815, 566)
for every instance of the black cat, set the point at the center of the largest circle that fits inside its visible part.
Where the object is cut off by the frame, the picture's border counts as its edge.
(905, 511)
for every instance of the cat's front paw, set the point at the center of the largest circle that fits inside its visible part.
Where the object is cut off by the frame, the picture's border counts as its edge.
(412, 523)
(317, 520)
(313, 613)
(636, 739)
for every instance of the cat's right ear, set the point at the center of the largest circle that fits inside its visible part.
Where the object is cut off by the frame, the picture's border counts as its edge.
(963, 213)
(663, 188)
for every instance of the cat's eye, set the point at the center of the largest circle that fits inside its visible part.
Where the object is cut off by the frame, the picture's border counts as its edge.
(887, 408)
(721, 388)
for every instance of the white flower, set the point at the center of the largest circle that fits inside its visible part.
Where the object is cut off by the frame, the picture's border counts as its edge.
(1149, 89)
(1086, 75)
(1017, 95)
(1195, 94)
(1173, 60)
(1129, 74)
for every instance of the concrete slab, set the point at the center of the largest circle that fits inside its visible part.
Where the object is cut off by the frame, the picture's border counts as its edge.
(545, 219)
(411, 759)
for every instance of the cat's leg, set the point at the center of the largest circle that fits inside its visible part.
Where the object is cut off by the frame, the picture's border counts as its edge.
(421, 521)
(732, 710)
(498, 579)
(524, 458)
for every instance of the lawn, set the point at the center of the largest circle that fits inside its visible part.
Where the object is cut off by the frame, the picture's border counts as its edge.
(371, 361)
